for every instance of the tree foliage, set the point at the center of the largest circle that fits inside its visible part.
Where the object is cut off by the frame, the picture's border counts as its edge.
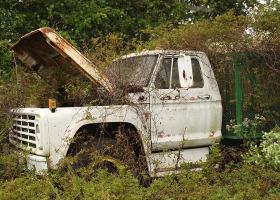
(86, 19)
(209, 9)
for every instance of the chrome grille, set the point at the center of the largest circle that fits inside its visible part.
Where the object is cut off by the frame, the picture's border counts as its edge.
(24, 130)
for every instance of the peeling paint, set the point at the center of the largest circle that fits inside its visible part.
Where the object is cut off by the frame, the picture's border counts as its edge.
(146, 116)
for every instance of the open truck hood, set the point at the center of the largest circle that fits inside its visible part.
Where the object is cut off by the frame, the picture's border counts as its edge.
(55, 59)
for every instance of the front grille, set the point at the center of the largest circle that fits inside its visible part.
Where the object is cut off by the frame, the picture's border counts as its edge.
(23, 131)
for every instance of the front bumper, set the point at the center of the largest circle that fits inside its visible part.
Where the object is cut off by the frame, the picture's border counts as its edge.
(37, 163)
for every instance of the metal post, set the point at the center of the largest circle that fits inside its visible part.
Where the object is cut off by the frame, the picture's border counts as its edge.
(238, 92)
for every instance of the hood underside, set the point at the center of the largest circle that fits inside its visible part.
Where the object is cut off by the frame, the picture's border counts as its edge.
(56, 60)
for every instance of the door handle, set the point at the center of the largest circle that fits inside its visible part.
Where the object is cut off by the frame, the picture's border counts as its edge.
(204, 97)
(165, 98)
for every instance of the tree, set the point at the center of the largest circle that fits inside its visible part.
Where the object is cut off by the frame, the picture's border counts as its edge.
(209, 9)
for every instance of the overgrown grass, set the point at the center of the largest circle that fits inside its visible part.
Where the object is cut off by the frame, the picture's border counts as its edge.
(239, 181)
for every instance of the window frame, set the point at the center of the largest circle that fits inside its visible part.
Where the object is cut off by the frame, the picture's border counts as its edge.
(201, 71)
(158, 67)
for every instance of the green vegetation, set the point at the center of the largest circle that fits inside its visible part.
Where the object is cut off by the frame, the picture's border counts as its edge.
(239, 181)
(249, 128)
(267, 154)
(226, 30)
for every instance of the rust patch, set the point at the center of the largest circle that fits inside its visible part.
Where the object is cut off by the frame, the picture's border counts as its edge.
(146, 116)
(161, 134)
(193, 98)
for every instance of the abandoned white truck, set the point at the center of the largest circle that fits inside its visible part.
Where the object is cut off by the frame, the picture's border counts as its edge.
(174, 110)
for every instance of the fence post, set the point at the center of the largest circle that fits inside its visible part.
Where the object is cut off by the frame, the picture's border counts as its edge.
(238, 91)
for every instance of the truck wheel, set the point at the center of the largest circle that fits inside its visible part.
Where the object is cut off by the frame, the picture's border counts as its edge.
(111, 154)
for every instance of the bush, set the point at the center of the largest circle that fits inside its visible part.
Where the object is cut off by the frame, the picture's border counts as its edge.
(27, 187)
(11, 166)
(267, 154)
(240, 181)
(249, 128)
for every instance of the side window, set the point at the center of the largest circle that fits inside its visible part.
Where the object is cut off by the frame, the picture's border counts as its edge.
(175, 82)
(163, 75)
(197, 75)
(168, 67)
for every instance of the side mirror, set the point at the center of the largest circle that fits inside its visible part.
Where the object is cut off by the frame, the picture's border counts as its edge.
(185, 71)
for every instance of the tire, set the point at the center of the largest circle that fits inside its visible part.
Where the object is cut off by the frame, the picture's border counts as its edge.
(111, 153)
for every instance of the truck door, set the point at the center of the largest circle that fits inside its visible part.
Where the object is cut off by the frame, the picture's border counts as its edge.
(180, 105)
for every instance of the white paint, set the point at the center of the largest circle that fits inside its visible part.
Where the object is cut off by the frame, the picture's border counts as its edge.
(163, 163)
(38, 163)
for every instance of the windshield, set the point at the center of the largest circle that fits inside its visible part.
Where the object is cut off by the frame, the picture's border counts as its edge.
(132, 71)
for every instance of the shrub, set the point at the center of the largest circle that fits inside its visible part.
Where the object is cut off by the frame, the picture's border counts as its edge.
(242, 181)
(267, 154)
(10, 166)
(27, 187)
(249, 128)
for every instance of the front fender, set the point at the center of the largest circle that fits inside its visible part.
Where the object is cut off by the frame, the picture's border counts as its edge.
(75, 118)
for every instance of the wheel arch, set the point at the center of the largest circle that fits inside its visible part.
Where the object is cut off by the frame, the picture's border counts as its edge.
(106, 127)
